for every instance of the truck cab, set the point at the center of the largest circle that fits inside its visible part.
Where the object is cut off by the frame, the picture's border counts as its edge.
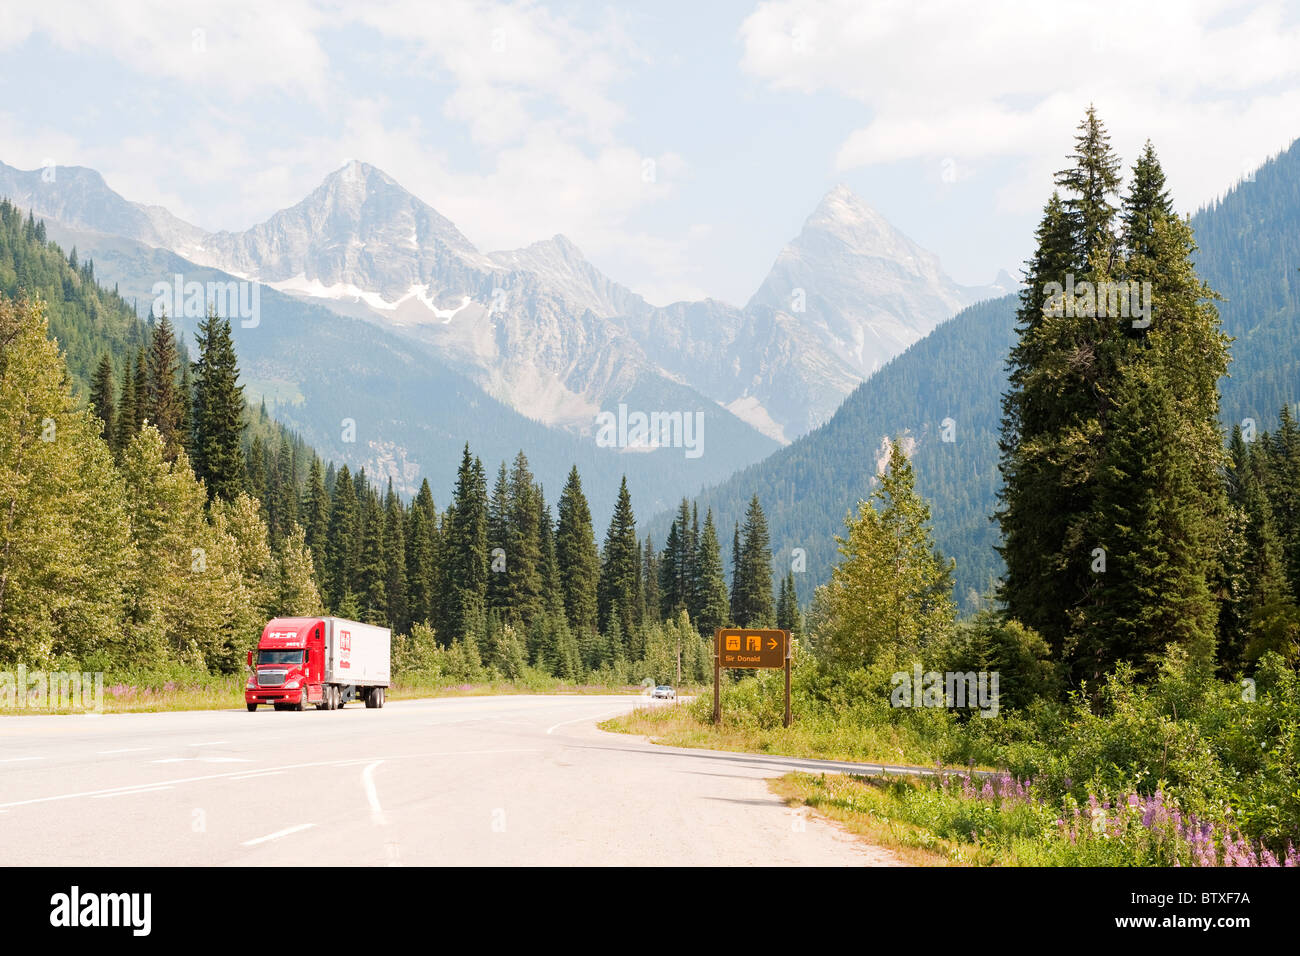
(324, 661)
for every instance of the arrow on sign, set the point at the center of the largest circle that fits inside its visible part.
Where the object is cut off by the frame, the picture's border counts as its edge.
(771, 643)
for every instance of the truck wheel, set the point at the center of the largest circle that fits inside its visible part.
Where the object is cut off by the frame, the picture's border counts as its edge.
(379, 693)
(334, 697)
(251, 707)
(370, 698)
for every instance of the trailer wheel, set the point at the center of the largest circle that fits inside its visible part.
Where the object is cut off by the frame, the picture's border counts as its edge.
(379, 693)
(335, 694)
(251, 707)
(369, 698)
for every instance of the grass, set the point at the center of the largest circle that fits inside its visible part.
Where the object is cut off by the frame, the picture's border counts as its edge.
(145, 693)
(869, 812)
(683, 726)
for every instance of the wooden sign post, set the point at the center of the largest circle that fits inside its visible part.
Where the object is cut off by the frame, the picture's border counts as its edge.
(738, 648)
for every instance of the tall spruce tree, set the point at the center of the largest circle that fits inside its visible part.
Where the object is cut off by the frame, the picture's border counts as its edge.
(464, 554)
(421, 556)
(710, 584)
(163, 404)
(396, 585)
(753, 605)
(500, 560)
(341, 543)
(102, 399)
(125, 428)
(618, 592)
(524, 574)
(316, 520)
(218, 411)
(576, 557)
(372, 568)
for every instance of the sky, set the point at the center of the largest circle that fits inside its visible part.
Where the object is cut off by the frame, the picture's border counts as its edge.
(679, 144)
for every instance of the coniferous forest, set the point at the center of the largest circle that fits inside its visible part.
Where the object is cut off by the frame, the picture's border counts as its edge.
(179, 521)
(1141, 603)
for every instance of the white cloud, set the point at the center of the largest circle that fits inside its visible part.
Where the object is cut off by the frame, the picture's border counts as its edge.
(1210, 82)
(234, 50)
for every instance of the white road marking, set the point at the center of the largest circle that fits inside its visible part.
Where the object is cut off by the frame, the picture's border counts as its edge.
(278, 833)
(124, 750)
(372, 795)
(210, 743)
(127, 793)
(203, 760)
(236, 773)
(260, 773)
(613, 713)
(19, 759)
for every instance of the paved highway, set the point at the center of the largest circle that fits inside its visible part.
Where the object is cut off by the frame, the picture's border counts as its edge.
(507, 780)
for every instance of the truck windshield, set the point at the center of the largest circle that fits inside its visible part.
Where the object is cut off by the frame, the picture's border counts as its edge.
(279, 657)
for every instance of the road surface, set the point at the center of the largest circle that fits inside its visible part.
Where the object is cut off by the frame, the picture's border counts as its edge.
(505, 780)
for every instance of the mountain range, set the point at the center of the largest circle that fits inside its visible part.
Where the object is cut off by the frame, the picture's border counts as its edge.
(1249, 255)
(367, 291)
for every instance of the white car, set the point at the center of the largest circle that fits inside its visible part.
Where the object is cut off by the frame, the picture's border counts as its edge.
(664, 692)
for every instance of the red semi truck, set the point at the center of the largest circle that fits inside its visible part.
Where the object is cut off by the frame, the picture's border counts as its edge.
(325, 661)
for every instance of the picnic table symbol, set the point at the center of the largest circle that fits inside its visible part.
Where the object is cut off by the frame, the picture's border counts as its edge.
(733, 642)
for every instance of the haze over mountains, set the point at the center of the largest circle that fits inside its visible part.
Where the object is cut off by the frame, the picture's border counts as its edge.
(1249, 253)
(549, 338)
(543, 330)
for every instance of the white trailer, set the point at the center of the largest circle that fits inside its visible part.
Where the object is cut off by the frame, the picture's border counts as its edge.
(357, 655)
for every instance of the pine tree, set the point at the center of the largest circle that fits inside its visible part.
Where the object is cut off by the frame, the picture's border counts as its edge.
(677, 566)
(255, 469)
(753, 605)
(1282, 450)
(733, 600)
(650, 581)
(395, 562)
(316, 518)
(218, 411)
(163, 405)
(787, 605)
(341, 544)
(102, 400)
(282, 512)
(372, 569)
(126, 415)
(576, 557)
(464, 553)
(618, 592)
(710, 583)
(1050, 420)
(421, 553)
(548, 567)
(498, 586)
(525, 546)
(141, 387)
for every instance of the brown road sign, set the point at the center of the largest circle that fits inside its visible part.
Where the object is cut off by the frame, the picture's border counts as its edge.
(751, 648)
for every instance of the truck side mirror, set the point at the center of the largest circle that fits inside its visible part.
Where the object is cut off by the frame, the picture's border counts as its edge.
(250, 658)
(306, 655)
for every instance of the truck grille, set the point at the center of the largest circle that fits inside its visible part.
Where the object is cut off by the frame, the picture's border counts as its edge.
(270, 678)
